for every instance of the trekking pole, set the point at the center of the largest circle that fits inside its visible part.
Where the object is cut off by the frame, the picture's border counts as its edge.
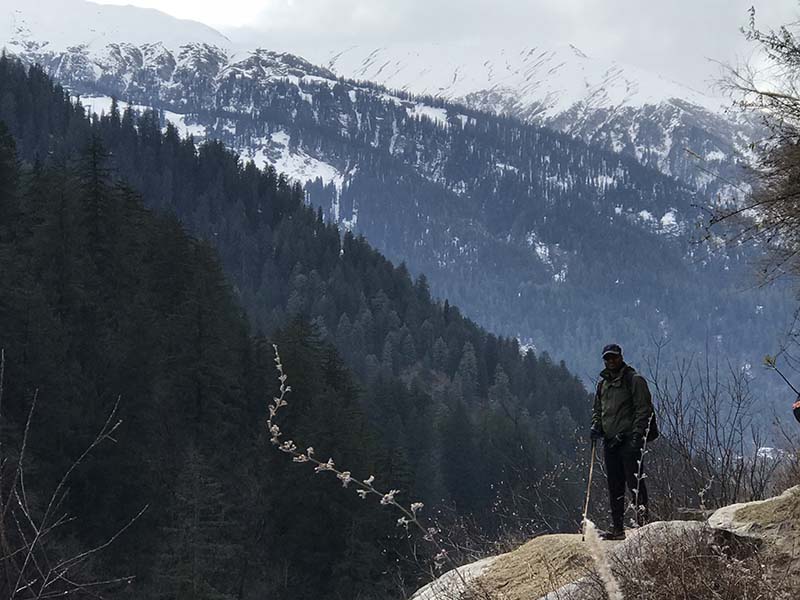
(588, 490)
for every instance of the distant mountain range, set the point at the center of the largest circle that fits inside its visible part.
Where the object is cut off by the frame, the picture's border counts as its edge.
(619, 107)
(549, 196)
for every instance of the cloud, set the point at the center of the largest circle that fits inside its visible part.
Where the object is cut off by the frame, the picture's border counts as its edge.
(230, 13)
(673, 38)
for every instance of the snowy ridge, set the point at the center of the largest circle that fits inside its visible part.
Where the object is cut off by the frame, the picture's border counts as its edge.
(619, 107)
(56, 25)
(142, 54)
(537, 81)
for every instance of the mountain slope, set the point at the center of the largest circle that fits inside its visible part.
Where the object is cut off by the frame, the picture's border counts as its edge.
(417, 359)
(104, 298)
(605, 103)
(531, 231)
(56, 25)
(537, 80)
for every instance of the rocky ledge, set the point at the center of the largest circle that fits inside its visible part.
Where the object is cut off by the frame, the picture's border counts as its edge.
(746, 546)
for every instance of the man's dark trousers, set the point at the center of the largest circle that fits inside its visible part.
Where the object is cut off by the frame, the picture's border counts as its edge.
(621, 470)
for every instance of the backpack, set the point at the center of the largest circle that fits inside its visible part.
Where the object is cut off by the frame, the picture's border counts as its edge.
(627, 378)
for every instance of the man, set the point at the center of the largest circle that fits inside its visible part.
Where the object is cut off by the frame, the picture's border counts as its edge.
(622, 417)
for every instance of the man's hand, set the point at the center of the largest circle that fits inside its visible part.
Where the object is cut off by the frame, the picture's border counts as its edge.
(636, 441)
(596, 433)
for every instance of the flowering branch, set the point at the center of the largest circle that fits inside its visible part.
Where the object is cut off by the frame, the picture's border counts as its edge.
(363, 487)
(640, 510)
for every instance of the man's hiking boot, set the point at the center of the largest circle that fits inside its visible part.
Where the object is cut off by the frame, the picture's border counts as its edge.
(612, 534)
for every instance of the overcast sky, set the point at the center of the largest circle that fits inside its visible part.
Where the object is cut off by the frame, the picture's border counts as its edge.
(675, 38)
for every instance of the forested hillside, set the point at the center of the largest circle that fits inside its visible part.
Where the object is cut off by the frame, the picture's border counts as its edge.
(104, 298)
(534, 233)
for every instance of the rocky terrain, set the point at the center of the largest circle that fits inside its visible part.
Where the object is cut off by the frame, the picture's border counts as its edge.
(763, 537)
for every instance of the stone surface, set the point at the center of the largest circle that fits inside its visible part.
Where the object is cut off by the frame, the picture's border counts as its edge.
(556, 567)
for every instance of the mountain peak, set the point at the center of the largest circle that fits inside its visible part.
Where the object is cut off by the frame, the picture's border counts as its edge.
(551, 79)
(55, 25)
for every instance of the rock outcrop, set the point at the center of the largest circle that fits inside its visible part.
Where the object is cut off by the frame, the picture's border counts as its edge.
(560, 566)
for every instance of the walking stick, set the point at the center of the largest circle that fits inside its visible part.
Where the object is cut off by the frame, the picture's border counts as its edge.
(588, 490)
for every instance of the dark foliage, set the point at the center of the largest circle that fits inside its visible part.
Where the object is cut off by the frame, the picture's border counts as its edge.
(101, 298)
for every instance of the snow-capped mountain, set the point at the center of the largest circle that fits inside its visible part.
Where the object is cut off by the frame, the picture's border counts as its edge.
(683, 132)
(530, 81)
(531, 231)
(52, 26)
(660, 122)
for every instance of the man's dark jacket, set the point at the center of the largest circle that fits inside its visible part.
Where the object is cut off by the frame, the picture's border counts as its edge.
(621, 409)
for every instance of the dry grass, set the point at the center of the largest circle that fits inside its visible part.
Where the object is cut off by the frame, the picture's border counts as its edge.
(782, 509)
(664, 561)
(542, 565)
(702, 565)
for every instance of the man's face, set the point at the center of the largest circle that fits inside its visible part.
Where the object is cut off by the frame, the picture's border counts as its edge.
(613, 362)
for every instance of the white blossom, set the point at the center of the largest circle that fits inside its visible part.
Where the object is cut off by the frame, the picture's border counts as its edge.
(362, 493)
(345, 478)
(288, 446)
(369, 480)
(416, 506)
(328, 466)
(388, 497)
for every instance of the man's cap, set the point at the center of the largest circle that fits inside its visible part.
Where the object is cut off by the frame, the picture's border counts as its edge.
(612, 349)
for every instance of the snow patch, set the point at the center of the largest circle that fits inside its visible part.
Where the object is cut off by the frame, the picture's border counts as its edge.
(437, 115)
(543, 252)
(505, 167)
(670, 224)
(295, 163)
(101, 105)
